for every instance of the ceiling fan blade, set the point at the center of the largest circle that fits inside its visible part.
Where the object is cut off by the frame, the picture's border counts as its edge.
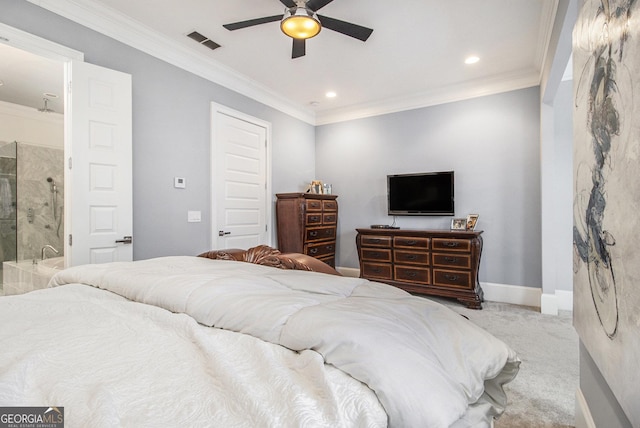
(252, 22)
(288, 3)
(298, 49)
(347, 28)
(316, 5)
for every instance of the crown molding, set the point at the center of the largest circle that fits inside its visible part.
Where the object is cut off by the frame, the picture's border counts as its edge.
(132, 33)
(547, 20)
(447, 94)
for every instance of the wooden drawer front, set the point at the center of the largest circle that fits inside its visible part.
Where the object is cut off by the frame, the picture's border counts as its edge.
(330, 205)
(376, 241)
(376, 270)
(452, 278)
(314, 205)
(382, 255)
(408, 242)
(329, 218)
(317, 250)
(451, 244)
(411, 257)
(313, 219)
(410, 274)
(454, 260)
(320, 234)
(330, 260)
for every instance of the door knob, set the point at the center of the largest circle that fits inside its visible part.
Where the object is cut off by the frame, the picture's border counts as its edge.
(125, 240)
(222, 233)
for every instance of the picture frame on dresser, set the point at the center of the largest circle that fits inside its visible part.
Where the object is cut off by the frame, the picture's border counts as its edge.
(472, 220)
(458, 224)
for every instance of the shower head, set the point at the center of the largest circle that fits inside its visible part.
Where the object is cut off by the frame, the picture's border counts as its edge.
(52, 185)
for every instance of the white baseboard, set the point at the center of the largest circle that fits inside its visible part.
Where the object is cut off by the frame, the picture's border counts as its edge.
(561, 300)
(503, 293)
(347, 271)
(514, 294)
(583, 414)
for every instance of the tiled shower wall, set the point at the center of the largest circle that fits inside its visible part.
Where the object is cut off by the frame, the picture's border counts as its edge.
(40, 215)
(8, 202)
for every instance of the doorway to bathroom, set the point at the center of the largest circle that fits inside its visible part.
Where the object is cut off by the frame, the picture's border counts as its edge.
(31, 162)
(95, 133)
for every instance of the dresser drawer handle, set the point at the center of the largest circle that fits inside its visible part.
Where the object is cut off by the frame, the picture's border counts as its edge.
(313, 233)
(376, 270)
(376, 241)
(313, 251)
(330, 247)
(412, 242)
(452, 277)
(412, 274)
(451, 244)
(314, 218)
(450, 259)
(412, 257)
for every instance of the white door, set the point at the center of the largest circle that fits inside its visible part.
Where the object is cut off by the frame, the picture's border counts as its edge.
(240, 186)
(98, 176)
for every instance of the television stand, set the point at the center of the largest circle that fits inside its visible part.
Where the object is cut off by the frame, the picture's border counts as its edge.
(433, 262)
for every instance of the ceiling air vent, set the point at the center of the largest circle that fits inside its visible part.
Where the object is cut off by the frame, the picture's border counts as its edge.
(203, 40)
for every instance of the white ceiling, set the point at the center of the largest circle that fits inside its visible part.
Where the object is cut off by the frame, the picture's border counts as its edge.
(26, 78)
(415, 56)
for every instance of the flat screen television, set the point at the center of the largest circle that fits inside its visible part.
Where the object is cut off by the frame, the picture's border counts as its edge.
(428, 193)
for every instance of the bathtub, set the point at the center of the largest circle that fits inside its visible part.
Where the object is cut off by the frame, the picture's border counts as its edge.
(24, 276)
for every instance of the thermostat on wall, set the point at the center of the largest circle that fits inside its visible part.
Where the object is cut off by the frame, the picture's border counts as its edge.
(179, 182)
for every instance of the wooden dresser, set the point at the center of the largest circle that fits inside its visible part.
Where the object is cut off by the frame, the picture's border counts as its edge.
(437, 262)
(307, 224)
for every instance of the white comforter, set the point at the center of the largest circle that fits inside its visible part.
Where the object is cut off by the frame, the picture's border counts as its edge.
(428, 366)
(113, 363)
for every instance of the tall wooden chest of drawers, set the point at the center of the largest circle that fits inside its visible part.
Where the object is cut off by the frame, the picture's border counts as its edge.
(307, 224)
(437, 262)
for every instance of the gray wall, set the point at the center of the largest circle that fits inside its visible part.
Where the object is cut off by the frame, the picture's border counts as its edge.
(171, 137)
(604, 407)
(562, 241)
(492, 144)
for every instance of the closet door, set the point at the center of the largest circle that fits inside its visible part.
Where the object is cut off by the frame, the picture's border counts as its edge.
(240, 182)
(99, 225)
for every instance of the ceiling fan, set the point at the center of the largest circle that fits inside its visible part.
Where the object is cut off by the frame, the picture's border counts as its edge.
(300, 22)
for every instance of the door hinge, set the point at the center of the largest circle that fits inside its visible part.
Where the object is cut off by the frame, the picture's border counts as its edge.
(70, 163)
(70, 240)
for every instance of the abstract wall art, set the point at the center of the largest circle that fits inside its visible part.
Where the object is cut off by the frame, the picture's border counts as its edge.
(606, 60)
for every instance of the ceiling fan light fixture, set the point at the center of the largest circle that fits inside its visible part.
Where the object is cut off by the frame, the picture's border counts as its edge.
(300, 23)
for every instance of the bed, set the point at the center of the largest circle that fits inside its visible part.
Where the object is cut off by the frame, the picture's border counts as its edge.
(240, 338)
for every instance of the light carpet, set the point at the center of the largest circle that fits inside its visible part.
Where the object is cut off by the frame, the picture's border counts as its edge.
(543, 393)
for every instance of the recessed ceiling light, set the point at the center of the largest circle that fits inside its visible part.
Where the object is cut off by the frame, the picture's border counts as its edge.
(314, 103)
(331, 94)
(471, 60)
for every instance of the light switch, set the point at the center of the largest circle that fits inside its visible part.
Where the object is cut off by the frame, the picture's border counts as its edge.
(179, 182)
(194, 216)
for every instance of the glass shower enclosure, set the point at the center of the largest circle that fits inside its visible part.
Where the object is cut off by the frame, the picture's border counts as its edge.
(31, 207)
